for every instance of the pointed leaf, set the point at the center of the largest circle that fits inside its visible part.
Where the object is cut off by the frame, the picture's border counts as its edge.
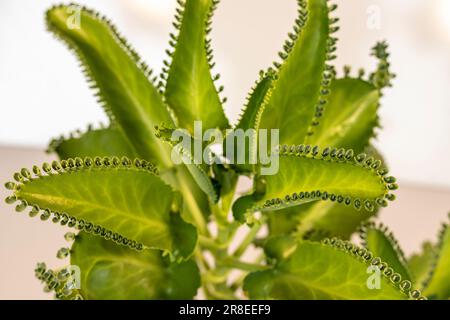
(256, 98)
(111, 142)
(378, 240)
(315, 270)
(100, 142)
(350, 116)
(227, 180)
(109, 271)
(125, 202)
(332, 218)
(438, 285)
(190, 89)
(421, 264)
(249, 120)
(190, 151)
(303, 77)
(326, 217)
(121, 79)
(306, 175)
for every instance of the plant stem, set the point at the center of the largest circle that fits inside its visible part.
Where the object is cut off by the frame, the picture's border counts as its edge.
(234, 263)
(194, 210)
(249, 238)
(210, 244)
(238, 282)
(219, 295)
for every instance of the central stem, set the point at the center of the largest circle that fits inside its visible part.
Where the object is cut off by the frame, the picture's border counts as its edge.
(234, 263)
(191, 203)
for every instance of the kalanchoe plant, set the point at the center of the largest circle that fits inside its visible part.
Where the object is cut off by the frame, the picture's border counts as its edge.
(144, 223)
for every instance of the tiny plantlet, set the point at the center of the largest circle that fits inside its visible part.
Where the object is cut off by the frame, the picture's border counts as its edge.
(152, 221)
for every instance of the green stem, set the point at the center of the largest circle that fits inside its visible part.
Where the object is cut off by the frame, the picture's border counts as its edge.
(214, 278)
(191, 203)
(234, 263)
(219, 295)
(238, 282)
(249, 238)
(210, 244)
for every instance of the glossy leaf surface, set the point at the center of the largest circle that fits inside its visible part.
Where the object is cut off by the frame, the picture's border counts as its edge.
(306, 175)
(350, 115)
(297, 91)
(190, 89)
(382, 243)
(320, 271)
(112, 272)
(119, 76)
(438, 285)
(105, 196)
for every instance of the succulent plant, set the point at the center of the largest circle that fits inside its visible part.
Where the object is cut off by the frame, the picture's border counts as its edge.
(143, 221)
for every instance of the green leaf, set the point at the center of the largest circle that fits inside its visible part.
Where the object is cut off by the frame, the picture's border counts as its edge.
(330, 217)
(190, 89)
(227, 180)
(350, 116)
(255, 99)
(119, 76)
(305, 175)
(321, 216)
(111, 272)
(110, 142)
(421, 264)
(123, 201)
(242, 206)
(280, 247)
(313, 270)
(190, 152)
(100, 142)
(438, 285)
(249, 120)
(378, 240)
(303, 78)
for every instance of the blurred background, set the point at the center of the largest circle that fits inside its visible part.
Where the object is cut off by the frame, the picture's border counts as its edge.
(43, 94)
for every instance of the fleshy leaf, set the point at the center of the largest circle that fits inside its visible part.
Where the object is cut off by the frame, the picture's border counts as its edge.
(249, 120)
(190, 152)
(94, 142)
(438, 285)
(227, 180)
(303, 77)
(190, 89)
(255, 99)
(421, 264)
(333, 269)
(350, 116)
(120, 200)
(119, 76)
(326, 217)
(378, 240)
(112, 272)
(305, 175)
(111, 142)
(331, 217)
(280, 247)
